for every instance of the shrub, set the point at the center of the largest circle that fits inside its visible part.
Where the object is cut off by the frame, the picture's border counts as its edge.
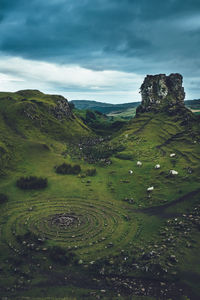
(3, 198)
(31, 182)
(91, 172)
(68, 169)
(76, 169)
(64, 169)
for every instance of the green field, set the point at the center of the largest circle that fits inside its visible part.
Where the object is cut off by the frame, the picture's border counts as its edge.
(101, 236)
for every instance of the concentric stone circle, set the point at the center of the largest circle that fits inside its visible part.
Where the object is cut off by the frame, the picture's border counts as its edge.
(83, 225)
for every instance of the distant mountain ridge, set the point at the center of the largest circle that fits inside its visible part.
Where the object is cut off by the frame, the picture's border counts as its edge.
(108, 108)
(193, 104)
(102, 107)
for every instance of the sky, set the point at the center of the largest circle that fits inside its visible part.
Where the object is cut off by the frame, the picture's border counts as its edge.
(98, 49)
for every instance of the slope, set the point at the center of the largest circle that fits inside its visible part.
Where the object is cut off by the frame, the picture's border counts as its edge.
(31, 116)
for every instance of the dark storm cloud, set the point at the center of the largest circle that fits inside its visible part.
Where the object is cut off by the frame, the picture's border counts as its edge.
(86, 29)
(129, 35)
(70, 29)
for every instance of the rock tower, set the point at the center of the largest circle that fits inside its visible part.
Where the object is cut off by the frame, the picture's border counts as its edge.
(162, 93)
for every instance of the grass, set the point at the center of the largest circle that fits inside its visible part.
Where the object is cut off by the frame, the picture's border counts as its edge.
(109, 234)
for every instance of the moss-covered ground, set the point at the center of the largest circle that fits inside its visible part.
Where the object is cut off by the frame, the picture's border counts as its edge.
(123, 242)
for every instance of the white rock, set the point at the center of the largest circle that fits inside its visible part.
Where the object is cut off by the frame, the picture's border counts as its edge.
(172, 154)
(139, 163)
(157, 166)
(151, 188)
(173, 172)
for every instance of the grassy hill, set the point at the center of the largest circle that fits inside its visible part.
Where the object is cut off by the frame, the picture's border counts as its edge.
(97, 233)
(31, 117)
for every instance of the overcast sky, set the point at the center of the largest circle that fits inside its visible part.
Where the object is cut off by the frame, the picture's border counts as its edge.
(98, 49)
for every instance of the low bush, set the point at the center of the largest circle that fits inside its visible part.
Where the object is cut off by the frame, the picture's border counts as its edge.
(31, 182)
(3, 198)
(91, 172)
(76, 169)
(68, 169)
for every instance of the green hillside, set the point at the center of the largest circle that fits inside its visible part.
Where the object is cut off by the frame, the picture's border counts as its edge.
(100, 123)
(94, 231)
(33, 118)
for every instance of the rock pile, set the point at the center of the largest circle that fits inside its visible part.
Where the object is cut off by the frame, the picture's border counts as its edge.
(63, 220)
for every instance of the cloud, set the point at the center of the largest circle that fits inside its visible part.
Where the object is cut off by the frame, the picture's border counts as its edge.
(130, 36)
(88, 31)
(18, 73)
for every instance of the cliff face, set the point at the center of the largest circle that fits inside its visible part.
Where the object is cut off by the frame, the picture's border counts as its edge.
(56, 105)
(62, 109)
(162, 93)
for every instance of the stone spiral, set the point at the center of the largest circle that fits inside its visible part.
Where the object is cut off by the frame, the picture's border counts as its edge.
(79, 224)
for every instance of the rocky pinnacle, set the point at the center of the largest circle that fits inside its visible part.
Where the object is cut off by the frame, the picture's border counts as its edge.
(162, 93)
